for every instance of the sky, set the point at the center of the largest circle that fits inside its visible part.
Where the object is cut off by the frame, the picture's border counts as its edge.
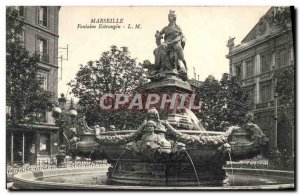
(206, 29)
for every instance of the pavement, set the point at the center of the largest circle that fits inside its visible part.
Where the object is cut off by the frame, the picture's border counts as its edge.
(9, 185)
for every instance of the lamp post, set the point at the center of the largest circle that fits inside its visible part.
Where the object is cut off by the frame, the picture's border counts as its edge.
(275, 115)
(72, 112)
(62, 103)
(61, 116)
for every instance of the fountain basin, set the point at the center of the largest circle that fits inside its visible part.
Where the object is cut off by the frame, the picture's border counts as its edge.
(94, 178)
(159, 155)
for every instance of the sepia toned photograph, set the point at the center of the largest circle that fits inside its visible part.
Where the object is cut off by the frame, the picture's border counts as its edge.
(150, 98)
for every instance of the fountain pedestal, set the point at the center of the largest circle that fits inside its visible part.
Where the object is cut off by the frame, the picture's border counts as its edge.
(171, 84)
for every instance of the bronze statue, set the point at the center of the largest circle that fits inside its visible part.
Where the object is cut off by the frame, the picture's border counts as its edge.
(255, 131)
(169, 54)
(169, 57)
(74, 139)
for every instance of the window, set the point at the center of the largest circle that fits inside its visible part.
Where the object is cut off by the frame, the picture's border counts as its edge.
(282, 58)
(44, 144)
(292, 55)
(250, 93)
(265, 93)
(265, 62)
(238, 71)
(8, 111)
(44, 80)
(42, 49)
(21, 11)
(23, 37)
(43, 16)
(249, 68)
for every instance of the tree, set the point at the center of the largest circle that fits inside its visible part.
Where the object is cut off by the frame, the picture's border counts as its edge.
(211, 104)
(116, 73)
(237, 103)
(23, 86)
(280, 17)
(285, 87)
(223, 103)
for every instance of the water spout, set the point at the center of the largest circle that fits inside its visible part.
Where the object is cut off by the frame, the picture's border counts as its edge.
(257, 170)
(193, 167)
(231, 167)
(115, 167)
(91, 153)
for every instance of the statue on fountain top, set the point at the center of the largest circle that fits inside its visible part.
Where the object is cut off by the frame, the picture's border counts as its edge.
(174, 42)
(169, 56)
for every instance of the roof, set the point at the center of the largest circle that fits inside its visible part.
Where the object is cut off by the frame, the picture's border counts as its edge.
(261, 32)
(253, 32)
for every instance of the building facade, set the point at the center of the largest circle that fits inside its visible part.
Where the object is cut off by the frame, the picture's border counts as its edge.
(40, 35)
(265, 49)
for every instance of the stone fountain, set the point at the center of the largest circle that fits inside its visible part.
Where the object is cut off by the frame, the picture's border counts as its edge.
(160, 155)
(176, 151)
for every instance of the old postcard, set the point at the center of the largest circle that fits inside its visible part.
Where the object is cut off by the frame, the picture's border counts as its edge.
(150, 98)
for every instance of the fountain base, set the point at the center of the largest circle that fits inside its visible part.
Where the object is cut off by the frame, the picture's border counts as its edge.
(166, 174)
(94, 179)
